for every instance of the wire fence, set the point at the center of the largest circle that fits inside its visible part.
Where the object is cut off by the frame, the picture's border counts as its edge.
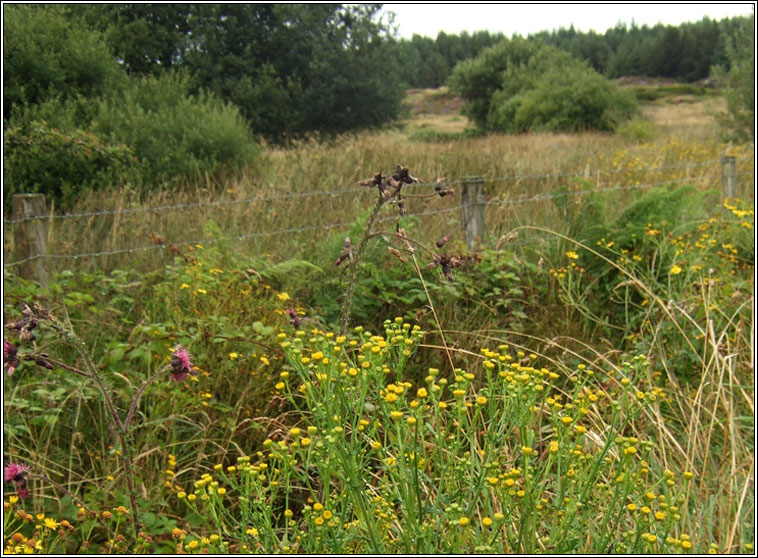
(250, 200)
(268, 220)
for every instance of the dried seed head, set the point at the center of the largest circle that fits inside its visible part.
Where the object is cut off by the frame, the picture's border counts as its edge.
(443, 191)
(401, 206)
(442, 241)
(376, 180)
(347, 252)
(397, 254)
(402, 175)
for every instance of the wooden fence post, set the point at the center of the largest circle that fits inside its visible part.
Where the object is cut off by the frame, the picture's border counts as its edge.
(729, 176)
(30, 236)
(472, 213)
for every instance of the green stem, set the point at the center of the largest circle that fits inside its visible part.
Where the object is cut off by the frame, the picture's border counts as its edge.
(345, 314)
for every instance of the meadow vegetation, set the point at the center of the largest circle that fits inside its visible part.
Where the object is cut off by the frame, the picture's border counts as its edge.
(582, 382)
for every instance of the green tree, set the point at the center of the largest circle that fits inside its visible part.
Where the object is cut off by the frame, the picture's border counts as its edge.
(297, 68)
(47, 55)
(146, 38)
(738, 82)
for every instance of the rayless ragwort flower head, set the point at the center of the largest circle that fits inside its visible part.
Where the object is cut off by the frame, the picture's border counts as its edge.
(181, 364)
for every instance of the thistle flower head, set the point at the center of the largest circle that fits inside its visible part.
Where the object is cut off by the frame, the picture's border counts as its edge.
(295, 320)
(16, 474)
(10, 358)
(181, 364)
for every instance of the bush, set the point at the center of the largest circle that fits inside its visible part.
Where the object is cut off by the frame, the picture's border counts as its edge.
(477, 79)
(40, 158)
(172, 133)
(637, 129)
(519, 86)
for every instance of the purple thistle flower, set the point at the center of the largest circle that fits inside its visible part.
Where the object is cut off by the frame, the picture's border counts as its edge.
(10, 358)
(17, 475)
(181, 364)
(14, 472)
(295, 320)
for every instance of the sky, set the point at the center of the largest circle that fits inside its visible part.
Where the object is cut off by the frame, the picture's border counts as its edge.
(526, 18)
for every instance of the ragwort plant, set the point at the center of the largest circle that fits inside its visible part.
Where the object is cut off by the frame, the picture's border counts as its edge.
(509, 457)
(687, 295)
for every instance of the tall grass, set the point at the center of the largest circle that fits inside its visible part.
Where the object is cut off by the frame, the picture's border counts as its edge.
(515, 165)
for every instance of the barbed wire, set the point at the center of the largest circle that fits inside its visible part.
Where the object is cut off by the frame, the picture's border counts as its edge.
(339, 192)
(552, 195)
(292, 230)
(173, 207)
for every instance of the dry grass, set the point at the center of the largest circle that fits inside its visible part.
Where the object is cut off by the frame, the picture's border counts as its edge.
(283, 227)
(685, 116)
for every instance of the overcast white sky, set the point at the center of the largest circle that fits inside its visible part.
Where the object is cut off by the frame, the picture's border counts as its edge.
(518, 18)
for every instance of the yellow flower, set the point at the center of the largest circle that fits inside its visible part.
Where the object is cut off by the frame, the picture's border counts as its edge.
(675, 270)
(283, 296)
(50, 523)
(232, 356)
(572, 255)
(463, 521)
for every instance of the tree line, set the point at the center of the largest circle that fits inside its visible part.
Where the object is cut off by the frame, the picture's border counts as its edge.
(684, 53)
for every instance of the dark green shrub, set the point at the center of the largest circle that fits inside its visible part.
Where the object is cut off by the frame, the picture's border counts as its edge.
(172, 133)
(61, 164)
(520, 86)
(477, 79)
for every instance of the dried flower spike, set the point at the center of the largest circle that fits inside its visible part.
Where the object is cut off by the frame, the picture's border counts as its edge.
(442, 241)
(347, 252)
